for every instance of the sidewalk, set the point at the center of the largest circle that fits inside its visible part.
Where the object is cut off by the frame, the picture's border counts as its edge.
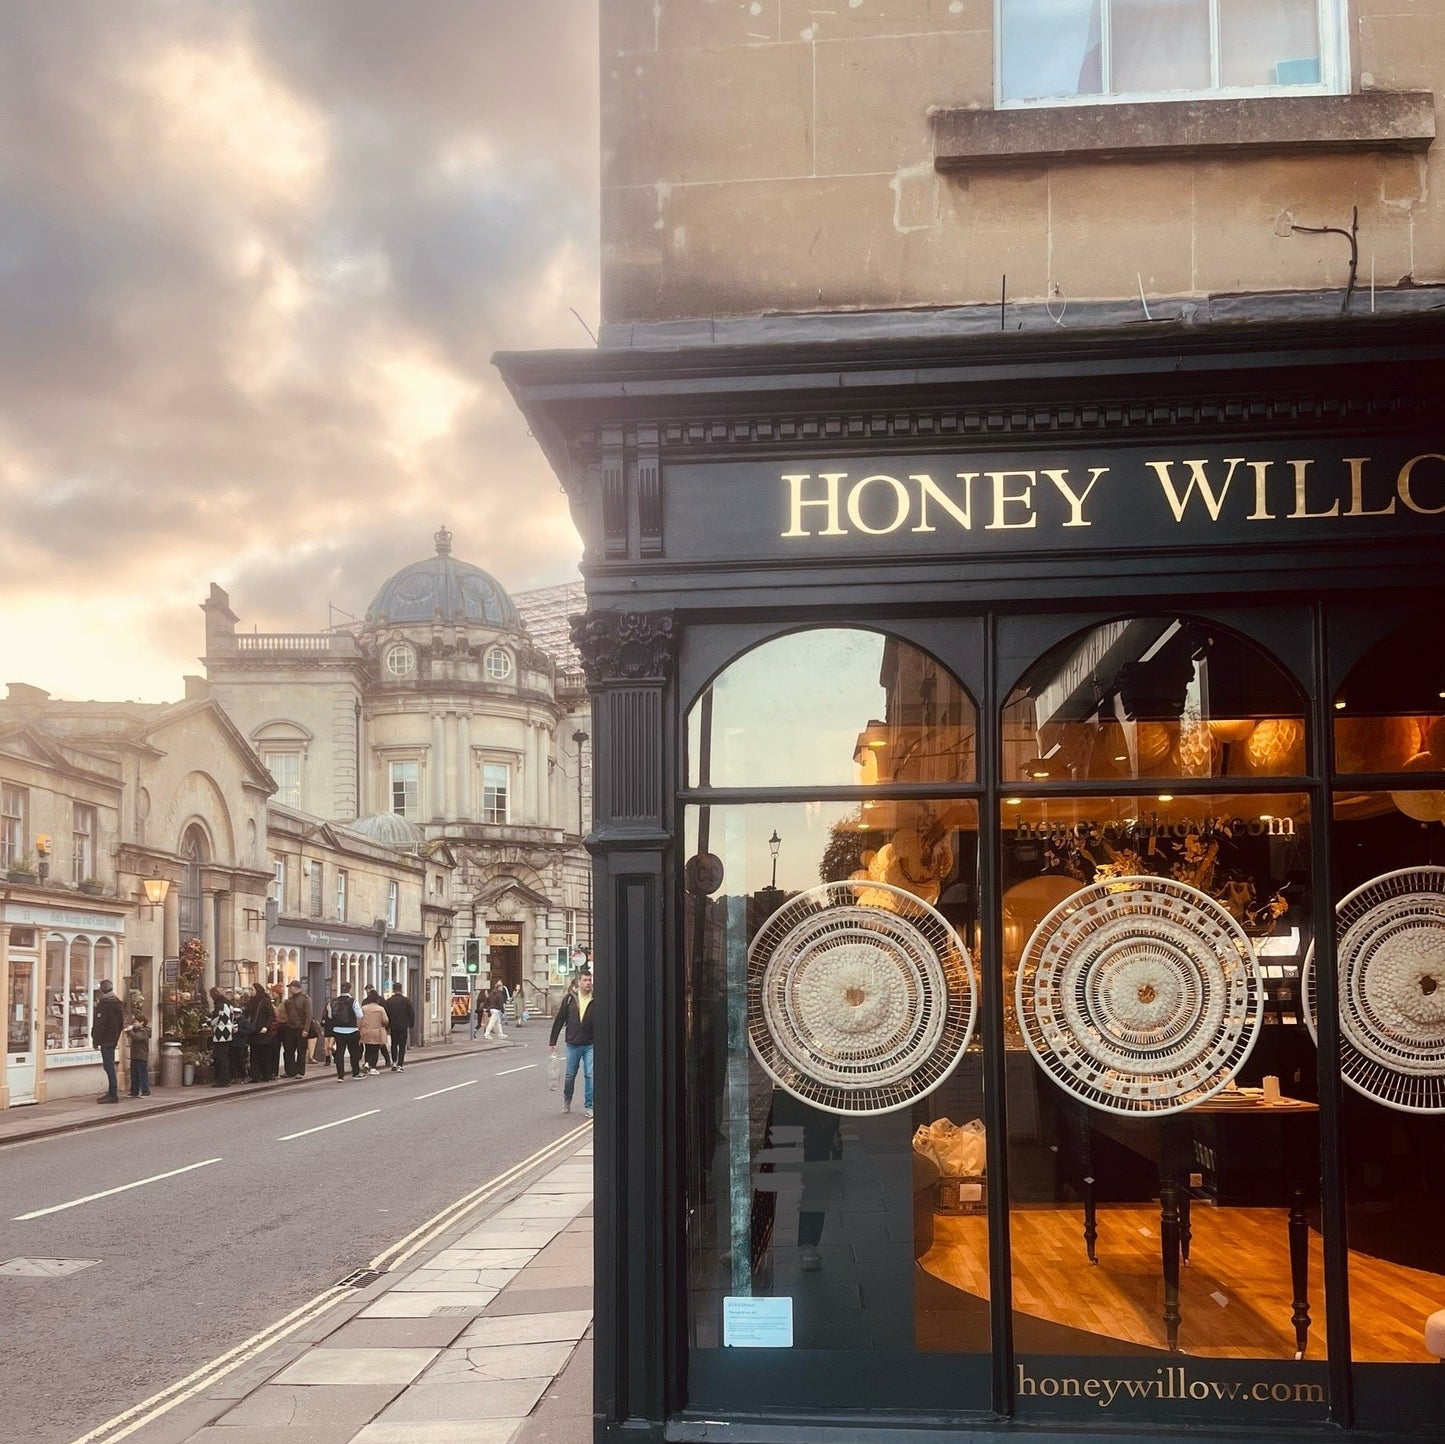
(487, 1339)
(67, 1115)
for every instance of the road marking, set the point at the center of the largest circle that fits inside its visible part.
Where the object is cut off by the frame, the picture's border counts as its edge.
(199, 1380)
(440, 1091)
(106, 1193)
(322, 1127)
(522, 1069)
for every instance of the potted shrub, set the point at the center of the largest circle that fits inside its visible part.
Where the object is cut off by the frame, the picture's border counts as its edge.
(24, 870)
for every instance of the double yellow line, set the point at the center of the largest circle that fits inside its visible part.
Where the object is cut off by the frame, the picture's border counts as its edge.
(199, 1380)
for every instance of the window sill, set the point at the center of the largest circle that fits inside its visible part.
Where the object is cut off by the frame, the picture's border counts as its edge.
(1152, 130)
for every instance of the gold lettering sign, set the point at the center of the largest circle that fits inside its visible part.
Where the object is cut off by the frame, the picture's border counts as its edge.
(504, 940)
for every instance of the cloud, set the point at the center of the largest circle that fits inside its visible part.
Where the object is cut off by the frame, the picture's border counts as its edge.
(254, 259)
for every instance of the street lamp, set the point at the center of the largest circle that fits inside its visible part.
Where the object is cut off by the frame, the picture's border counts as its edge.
(774, 843)
(156, 889)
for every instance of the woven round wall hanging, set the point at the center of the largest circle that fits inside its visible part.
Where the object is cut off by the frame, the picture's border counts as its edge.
(1390, 956)
(1139, 995)
(855, 1007)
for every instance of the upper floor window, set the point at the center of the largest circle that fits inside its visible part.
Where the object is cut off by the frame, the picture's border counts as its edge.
(82, 842)
(400, 660)
(341, 880)
(406, 789)
(391, 903)
(496, 779)
(278, 881)
(14, 823)
(314, 869)
(498, 664)
(1093, 50)
(285, 768)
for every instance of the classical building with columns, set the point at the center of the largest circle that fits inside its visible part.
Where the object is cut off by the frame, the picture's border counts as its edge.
(438, 707)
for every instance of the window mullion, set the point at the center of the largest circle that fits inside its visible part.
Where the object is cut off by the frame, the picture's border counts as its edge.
(1214, 44)
(1106, 47)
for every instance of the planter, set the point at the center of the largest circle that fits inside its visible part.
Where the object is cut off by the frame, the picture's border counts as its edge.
(15, 874)
(91, 889)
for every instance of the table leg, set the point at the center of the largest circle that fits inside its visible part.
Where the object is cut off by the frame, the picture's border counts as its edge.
(1186, 1230)
(1091, 1220)
(1169, 1243)
(1299, 1269)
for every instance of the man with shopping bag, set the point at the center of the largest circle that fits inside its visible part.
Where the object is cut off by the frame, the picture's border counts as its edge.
(575, 1015)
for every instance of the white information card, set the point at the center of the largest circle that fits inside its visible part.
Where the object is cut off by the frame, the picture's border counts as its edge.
(757, 1323)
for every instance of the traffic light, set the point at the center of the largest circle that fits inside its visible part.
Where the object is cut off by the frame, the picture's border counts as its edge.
(472, 953)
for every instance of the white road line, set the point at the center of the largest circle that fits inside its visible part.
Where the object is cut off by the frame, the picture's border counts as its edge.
(322, 1127)
(106, 1193)
(522, 1069)
(440, 1091)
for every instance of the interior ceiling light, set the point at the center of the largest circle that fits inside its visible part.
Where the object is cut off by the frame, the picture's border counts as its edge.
(1166, 797)
(1340, 705)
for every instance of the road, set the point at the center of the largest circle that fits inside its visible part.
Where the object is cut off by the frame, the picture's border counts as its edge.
(270, 1199)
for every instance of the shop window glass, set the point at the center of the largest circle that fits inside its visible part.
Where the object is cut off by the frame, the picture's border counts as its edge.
(1153, 697)
(1164, 1197)
(57, 995)
(1390, 713)
(832, 706)
(80, 995)
(836, 1162)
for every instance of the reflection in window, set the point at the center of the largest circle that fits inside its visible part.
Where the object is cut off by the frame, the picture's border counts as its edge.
(831, 706)
(1390, 713)
(1153, 697)
(1119, 1199)
(872, 1224)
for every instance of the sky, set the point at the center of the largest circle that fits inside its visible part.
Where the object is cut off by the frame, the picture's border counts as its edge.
(255, 256)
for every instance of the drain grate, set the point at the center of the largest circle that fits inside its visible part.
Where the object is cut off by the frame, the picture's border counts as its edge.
(44, 1268)
(360, 1279)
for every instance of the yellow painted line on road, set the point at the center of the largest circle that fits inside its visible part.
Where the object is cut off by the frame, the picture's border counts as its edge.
(203, 1378)
(107, 1192)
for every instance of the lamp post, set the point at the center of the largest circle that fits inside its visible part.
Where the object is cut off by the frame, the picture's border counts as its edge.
(774, 843)
(580, 738)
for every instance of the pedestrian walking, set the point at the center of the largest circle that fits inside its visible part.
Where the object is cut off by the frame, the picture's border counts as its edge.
(496, 1001)
(575, 1016)
(105, 1031)
(259, 1013)
(344, 1023)
(479, 1012)
(373, 1031)
(222, 1027)
(400, 1017)
(295, 1029)
(139, 1037)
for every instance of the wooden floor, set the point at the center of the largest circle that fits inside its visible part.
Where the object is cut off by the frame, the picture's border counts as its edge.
(1235, 1294)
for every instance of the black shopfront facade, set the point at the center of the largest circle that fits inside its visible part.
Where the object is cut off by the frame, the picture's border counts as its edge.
(1020, 858)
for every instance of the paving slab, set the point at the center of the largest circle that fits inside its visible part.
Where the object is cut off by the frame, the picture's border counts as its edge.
(510, 1237)
(454, 1281)
(477, 1399)
(437, 1431)
(564, 1413)
(435, 1332)
(501, 1361)
(527, 1328)
(481, 1258)
(311, 1406)
(357, 1366)
(538, 1301)
(413, 1305)
(270, 1434)
(575, 1275)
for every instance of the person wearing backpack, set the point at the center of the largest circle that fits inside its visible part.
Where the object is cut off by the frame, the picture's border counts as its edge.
(496, 1002)
(345, 1024)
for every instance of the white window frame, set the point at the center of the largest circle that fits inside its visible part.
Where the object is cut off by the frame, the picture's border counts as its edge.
(82, 841)
(341, 879)
(413, 812)
(489, 811)
(278, 881)
(14, 823)
(1333, 22)
(497, 664)
(392, 902)
(288, 794)
(398, 649)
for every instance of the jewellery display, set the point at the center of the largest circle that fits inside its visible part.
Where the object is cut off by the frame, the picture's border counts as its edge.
(1390, 958)
(861, 997)
(1140, 995)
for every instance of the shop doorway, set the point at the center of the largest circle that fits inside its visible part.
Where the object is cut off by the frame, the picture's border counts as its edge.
(504, 949)
(20, 1041)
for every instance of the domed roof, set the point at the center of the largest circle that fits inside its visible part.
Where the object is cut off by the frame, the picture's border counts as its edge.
(390, 829)
(442, 589)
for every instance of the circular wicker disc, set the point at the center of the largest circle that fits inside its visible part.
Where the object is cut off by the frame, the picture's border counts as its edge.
(861, 997)
(1390, 956)
(1139, 995)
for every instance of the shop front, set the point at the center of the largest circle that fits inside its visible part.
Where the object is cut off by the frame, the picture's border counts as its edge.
(1020, 860)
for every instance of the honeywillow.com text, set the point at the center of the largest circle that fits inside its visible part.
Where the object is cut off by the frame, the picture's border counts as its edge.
(1169, 1385)
(837, 503)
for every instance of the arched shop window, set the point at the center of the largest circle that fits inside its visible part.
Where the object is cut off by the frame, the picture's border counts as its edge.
(1153, 697)
(832, 706)
(1388, 833)
(832, 1002)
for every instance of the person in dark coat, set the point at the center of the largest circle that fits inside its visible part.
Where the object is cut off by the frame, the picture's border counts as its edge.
(260, 1013)
(400, 1016)
(105, 1030)
(576, 1016)
(295, 1027)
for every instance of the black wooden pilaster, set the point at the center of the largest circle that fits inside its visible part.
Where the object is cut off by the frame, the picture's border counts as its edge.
(628, 659)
